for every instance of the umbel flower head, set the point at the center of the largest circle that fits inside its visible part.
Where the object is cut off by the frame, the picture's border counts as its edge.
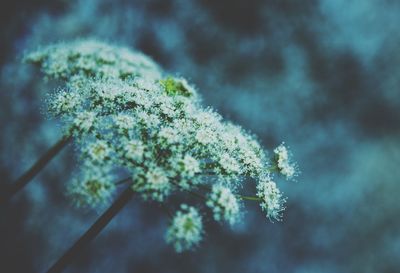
(186, 229)
(271, 199)
(91, 58)
(283, 162)
(126, 116)
(224, 204)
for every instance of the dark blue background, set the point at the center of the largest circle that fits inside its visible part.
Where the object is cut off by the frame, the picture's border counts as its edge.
(321, 75)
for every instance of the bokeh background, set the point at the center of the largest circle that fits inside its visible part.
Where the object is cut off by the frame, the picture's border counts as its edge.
(321, 75)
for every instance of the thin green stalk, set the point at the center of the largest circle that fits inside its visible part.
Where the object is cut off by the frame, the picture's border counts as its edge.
(273, 169)
(250, 198)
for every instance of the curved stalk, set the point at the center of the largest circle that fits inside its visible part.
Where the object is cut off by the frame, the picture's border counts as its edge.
(92, 232)
(26, 177)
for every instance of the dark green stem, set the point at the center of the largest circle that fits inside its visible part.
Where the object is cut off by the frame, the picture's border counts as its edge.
(25, 178)
(92, 232)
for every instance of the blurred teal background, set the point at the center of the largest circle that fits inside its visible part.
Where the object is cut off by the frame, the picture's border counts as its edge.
(321, 75)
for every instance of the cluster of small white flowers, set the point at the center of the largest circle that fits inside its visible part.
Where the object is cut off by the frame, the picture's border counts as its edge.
(186, 229)
(64, 102)
(272, 201)
(92, 58)
(189, 166)
(284, 163)
(224, 204)
(168, 135)
(91, 189)
(134, 150)
(98, 150)
(82, 122)
(153, 184)
(153, 128)
(123, 122)
(229, 164)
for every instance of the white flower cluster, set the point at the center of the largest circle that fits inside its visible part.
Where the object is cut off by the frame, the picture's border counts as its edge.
(92, 187)
(284, 163)
(91, 58)
(186, 229)
(272, 201)
(224, 204)
(126, 116)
